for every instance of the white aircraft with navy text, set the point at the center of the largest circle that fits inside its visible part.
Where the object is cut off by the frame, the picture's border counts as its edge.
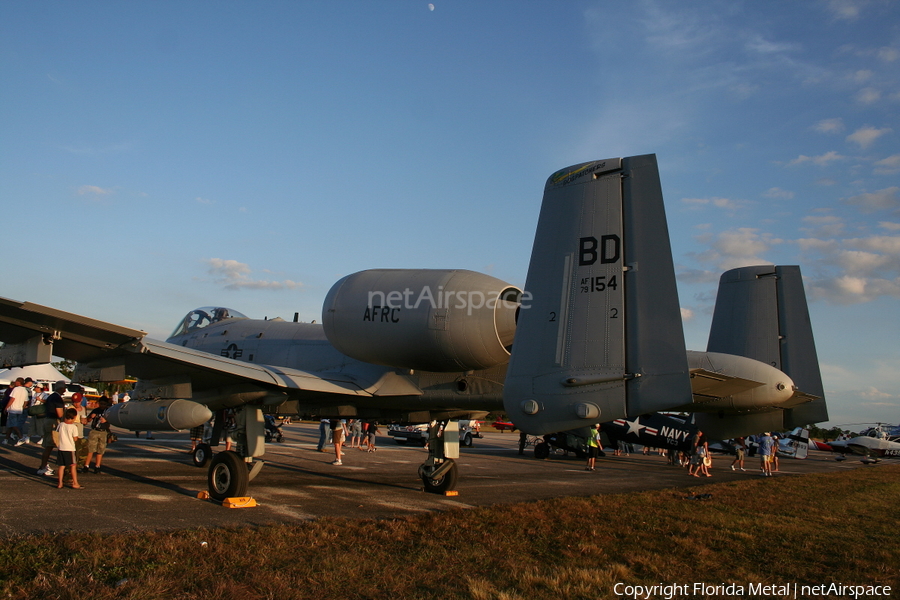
(595, 335)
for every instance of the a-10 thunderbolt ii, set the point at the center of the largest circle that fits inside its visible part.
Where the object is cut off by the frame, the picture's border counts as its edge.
(596, 335)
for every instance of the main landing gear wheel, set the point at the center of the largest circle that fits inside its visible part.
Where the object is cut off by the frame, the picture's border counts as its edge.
(441, 484)
(541, 450)
(201, 455)
(228, 476)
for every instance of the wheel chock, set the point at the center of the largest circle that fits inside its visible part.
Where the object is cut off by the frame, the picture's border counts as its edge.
(203, 495)
(241, 502)
(451, 493)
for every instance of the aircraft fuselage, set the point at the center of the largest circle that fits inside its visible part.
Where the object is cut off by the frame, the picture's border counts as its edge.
(305, 347)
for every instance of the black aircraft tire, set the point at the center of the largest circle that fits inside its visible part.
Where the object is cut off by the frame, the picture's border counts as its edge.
(201, 455)
(442, 484)
(541, 450)
(228, 476)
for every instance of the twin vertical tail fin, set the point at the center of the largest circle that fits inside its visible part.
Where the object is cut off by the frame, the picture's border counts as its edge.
(761, 313)
(599, 333)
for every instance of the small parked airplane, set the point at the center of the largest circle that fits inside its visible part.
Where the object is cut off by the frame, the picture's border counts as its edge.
(872, 444)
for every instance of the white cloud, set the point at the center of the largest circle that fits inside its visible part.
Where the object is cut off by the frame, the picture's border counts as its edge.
(888, 166)
(742, 241)
(886, 199)
(888, 54)
(724, 203)
(204, 201)
(849, 289)
(818, 245)
(744, 90)
(887, 244)
(824, 226)
(686, 314)
(845, 9)
(234, 275)
(736, 248)
(868, 95)
(778, 193)
(823, 160)
(853, 270)
(857, 261)
(876, 394)
(890, 226)
(756, 43)
(864, 136)
(829, 126)
(93, 190)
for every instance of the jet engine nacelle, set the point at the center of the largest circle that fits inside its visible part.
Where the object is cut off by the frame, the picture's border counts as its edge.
(158, 415)
(424, 319)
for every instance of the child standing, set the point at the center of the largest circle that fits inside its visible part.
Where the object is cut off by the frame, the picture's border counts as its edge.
(68, 435)
(371, 431)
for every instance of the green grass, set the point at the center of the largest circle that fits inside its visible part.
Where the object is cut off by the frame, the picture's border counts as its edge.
(812, 529)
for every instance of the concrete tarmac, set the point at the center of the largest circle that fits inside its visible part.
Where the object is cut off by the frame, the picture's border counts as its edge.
(152, 484)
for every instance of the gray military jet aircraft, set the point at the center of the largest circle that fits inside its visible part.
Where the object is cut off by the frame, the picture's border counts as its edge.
(595, 336)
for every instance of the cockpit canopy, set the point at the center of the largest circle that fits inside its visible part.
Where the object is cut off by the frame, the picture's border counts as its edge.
(201, 317)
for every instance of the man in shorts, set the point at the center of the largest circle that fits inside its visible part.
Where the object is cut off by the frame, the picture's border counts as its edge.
(338, 435)
(96, 441)
(739, 446)
(766, 448)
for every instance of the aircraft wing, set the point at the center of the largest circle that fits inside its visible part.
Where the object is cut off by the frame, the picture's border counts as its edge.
(717, 385)
(105, 352)
(32, 333)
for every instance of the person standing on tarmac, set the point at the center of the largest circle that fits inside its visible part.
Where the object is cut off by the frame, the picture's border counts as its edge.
(96, 442)
(338, 435)
(594, 444)
(16, 412)
(323, 435)
(740, 446)
(53, 415)
(766, 444)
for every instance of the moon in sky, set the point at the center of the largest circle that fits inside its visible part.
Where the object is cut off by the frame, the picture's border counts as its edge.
(431, 7)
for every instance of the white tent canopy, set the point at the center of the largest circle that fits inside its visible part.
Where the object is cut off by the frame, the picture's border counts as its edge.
(44, 373)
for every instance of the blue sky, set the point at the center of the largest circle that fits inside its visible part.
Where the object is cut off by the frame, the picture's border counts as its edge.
(160, 156)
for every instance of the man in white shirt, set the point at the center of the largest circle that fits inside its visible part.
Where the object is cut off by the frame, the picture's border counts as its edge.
(33, 424)
(15, 411)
